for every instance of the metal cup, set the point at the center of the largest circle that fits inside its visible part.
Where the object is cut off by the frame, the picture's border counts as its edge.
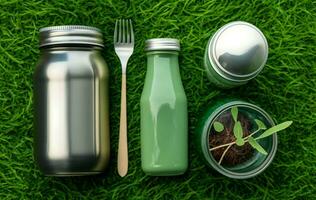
(235, 54)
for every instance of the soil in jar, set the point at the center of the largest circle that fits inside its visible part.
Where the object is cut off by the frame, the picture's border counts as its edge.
(236, 154)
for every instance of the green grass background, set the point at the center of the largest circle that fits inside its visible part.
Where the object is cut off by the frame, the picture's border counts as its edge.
(286, 89)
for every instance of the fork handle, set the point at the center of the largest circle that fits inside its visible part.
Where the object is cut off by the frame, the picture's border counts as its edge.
(122, 162)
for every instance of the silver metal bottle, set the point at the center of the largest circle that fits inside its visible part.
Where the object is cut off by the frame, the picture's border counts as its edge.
(71, 102)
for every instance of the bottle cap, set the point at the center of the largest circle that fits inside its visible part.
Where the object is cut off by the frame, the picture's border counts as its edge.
(162, 44)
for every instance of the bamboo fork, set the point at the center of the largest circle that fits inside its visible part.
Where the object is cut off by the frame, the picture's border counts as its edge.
(124, 47)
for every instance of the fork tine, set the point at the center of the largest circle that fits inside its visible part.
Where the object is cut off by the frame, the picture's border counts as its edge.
(132, 32)
(115, 31)
(120, 32)
(123, 28)
(127, 31)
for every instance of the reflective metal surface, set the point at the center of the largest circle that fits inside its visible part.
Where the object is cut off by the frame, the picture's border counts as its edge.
(71, 111)
(239, 51)
(162, 44)
(70, 34)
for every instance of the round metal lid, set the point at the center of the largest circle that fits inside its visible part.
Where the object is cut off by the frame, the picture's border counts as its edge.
(70, 34)
(162, 44)
(239, 49)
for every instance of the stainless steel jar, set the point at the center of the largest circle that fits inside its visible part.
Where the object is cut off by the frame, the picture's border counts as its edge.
(236, 53)
(71, 102)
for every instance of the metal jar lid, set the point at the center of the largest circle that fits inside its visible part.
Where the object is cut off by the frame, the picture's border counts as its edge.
(162, 44)
(70, 34)
(238, 50)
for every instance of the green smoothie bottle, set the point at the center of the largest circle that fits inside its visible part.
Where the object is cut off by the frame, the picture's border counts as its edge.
(164, 116)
